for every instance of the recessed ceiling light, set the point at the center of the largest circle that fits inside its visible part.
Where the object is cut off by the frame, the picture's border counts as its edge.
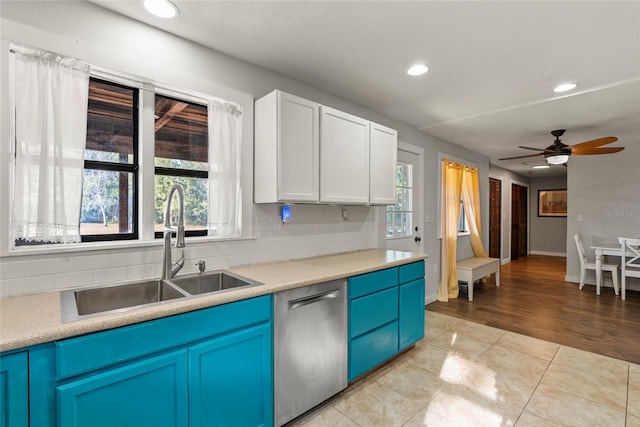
(565, 87)
(161, 8)
(417, 70)
(542, 167)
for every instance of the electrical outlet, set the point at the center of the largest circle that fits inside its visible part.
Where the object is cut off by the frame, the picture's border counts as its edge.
(579, 218)
(435, 269)
(344, 214)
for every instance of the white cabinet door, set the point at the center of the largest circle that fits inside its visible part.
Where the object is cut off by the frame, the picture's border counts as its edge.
(286, 149)
(344, 157)
(383, 148)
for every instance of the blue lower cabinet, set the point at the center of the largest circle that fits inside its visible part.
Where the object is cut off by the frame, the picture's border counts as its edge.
(14, 390)
(231, 380)
(152, 392)
(386, 315)
(411, 321)
(371, 349)
(212, 367)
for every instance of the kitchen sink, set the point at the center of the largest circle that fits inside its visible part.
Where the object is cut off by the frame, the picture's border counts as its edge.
(215, 281)
(76, 304)
(91, 302)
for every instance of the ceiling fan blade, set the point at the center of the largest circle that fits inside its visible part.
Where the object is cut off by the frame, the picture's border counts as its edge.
(591, 151)
(531, 148)
(594, 143)
(522, 157)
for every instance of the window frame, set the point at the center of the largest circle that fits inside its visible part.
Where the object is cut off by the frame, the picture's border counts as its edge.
(166, 84)
(395, 212)
(132, 168)
(178, 172)
(441, 157)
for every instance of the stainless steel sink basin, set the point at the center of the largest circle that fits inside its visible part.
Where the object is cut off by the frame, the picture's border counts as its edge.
(214, 281)
(81, 303)
(78, 304)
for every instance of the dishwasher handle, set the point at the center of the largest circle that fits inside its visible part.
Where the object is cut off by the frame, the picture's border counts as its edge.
(297, 303)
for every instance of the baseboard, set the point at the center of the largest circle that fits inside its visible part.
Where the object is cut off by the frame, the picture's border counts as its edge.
(428, 299)
(562, 254)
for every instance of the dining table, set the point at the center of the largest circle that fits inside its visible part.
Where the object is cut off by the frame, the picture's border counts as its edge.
(601, 250)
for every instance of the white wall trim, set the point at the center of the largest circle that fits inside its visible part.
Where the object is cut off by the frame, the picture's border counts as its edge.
(418, 151)
(561, 254)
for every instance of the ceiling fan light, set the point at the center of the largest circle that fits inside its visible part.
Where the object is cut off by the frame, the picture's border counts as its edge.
(558, 159)
(565, 87)
(161, 8)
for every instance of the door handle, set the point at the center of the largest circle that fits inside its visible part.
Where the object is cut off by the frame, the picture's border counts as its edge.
(417, 239)
(300, 302)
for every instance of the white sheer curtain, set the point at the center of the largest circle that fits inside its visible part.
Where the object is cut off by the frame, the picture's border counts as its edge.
(225, 191)
(51, 96)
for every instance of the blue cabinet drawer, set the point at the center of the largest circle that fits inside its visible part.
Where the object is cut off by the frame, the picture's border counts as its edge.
(372, 282)
(372, 349)
(409, 272)
(371, 311)
(89, 352)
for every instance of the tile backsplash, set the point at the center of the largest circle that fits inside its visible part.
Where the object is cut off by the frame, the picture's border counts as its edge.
(314, 230)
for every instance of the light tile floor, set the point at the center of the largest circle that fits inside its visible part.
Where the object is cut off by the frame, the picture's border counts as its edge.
(466, 374)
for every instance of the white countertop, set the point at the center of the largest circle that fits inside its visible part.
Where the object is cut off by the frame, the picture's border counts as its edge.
(34, 319)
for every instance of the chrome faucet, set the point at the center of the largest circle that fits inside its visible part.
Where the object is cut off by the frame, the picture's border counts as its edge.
(169, 269)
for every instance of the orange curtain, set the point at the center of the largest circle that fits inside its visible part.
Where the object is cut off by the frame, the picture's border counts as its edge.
(471, 202)
(450, 213)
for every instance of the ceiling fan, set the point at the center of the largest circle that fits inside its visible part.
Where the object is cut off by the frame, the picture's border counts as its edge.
(558, 153)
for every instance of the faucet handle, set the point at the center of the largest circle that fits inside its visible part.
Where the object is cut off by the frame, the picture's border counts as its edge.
(201, 266)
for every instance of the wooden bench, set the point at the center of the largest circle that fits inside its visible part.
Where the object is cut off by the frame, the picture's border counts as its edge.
(471, 269)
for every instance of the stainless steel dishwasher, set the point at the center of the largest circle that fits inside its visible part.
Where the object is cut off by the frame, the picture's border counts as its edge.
(310, 354)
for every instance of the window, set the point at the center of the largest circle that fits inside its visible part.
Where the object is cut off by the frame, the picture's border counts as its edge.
(462, 221)
(182, 157)
(399, 216)
(93, 184)
(109, 193)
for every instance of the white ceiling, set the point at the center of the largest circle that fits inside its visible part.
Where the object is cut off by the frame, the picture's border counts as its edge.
(493, 64)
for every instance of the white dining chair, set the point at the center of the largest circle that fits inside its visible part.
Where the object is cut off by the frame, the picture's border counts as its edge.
(630, 260)
(585, 265)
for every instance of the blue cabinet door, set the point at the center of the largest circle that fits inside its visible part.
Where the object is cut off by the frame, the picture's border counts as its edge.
(371, 349)
(14, 390)
(411, 325)
(231, 379)
(152, 392)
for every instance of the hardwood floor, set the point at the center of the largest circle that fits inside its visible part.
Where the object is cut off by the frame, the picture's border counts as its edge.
(534, 300)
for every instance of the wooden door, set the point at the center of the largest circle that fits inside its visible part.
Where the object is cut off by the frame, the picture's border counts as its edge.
(495, 217)
(519, 208)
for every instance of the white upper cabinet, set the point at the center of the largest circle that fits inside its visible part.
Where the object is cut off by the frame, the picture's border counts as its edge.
(344, 157)
(383, 148)
(309, 153)
(286, 149)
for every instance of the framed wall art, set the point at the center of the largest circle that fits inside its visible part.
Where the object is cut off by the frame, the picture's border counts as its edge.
(552, 203)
